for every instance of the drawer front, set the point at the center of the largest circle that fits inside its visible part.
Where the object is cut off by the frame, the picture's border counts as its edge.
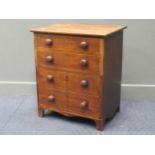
(68, 44)
(84, 84)
(83, 106)
(68, 61)
(51, 79)
(66, 81)
(52, 99)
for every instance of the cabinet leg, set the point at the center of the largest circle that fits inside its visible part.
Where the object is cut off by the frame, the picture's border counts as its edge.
(118, 109)
(41, 112)
(99, 125)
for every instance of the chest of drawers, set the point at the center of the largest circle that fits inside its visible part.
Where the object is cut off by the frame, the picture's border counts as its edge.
(78, 70)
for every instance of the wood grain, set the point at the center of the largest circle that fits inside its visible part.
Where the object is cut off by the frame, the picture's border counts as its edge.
(68, 44)
(91, 91)
(93, 88)
(70, 62)
(69, 82)
(58, 82)
(113, 71)
(80, 29)
(60, 102)
(92, 110)
(70, 103)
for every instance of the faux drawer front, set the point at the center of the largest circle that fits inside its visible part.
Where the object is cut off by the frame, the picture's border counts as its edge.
(52, 100)
(84, 84)
(68, 61)
(87, 107)
(68, 44)
(51, 79)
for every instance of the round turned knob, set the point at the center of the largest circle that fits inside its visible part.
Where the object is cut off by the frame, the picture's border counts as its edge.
(48, 42)
(84, 83)
(84, 45)
(83, 104)
(49, 59)
(84, 62)
(50, 78)
(51, 98)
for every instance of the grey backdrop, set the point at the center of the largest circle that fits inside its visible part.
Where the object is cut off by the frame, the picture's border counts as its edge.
(17, 72)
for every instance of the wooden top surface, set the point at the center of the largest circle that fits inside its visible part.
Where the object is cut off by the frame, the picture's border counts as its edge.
(80, 29)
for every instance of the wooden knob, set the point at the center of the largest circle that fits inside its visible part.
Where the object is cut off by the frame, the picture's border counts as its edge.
(84, 45)
(49, 59)
(83, 104)
(50, 78)
(51, 98)
(84, 83)
(84, 62)
(48, 42)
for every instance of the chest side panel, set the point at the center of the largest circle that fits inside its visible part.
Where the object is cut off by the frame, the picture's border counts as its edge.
(112, 73)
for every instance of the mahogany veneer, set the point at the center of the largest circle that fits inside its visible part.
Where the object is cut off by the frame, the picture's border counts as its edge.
(78, 70)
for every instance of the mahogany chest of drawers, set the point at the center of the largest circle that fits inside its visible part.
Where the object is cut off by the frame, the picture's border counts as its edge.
(78, 70)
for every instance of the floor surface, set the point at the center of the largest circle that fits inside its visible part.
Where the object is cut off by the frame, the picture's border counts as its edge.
(18, 116)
